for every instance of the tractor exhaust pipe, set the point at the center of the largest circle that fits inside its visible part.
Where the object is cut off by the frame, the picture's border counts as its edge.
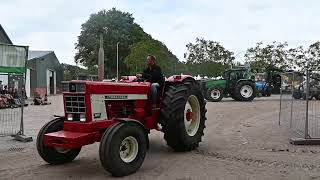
(101, 60)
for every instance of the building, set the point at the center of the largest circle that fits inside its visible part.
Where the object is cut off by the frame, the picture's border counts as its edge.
(46, 73)
(4, 38)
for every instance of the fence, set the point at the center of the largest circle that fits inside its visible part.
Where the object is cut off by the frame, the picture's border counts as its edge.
(12, 92)
(10, 112)
(300, 106)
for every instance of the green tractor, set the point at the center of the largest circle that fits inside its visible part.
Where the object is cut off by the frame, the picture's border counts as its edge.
(237, 83)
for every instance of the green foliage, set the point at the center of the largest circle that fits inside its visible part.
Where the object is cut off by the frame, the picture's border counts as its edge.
(136, 60)
(304, 59)
(275, 54)
(208, 51)
(71, 71)
(207, 58)
(121, 28)
(211, 69)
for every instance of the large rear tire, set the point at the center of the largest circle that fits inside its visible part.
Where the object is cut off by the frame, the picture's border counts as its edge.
(50, 154)
(123, 148)
(183, 117)
(304, 96)
(214, 94)
(245, 91)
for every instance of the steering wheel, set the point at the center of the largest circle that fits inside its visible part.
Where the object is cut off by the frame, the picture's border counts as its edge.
(139, 79)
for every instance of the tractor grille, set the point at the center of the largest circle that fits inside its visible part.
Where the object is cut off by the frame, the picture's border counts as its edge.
(75, 104)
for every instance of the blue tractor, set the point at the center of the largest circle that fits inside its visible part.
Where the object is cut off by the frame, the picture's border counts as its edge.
(263, 87)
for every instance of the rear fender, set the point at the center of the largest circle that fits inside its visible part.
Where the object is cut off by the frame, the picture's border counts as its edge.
(240, 80)
(179, 78)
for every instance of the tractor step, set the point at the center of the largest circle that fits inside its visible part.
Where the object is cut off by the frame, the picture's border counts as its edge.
(70, 140)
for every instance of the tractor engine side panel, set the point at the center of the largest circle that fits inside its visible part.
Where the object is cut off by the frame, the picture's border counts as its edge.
(112, 106)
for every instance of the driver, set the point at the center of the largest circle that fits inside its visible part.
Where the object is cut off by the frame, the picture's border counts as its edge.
(154, 75)
(153, 72)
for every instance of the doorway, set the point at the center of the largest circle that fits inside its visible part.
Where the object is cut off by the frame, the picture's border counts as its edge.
(51, 84)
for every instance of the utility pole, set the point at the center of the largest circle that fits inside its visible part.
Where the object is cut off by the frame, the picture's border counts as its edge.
(118, 60)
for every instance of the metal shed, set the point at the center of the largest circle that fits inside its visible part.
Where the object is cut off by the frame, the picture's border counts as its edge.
(45, 73)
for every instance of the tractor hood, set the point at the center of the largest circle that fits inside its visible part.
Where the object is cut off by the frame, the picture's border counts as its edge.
(97, 87)
(220, 83)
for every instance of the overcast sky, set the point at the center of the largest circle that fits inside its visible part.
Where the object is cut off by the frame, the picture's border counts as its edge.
(237, 24)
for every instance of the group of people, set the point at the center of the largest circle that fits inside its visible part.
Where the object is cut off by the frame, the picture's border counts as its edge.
(37, 100)
(9, 97)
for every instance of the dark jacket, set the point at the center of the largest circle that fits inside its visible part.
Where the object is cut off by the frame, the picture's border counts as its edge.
(153, 74)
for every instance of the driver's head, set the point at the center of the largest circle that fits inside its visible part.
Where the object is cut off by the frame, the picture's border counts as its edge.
(151, 60)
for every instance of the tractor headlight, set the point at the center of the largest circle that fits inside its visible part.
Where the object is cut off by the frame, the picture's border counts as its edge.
(69, 117)
(82, 117)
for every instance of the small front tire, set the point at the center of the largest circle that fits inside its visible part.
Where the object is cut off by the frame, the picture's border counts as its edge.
(214, 95)
(123, 148)
(54, 155)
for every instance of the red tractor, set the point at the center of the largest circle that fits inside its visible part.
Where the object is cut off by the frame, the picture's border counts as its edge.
(120, 117)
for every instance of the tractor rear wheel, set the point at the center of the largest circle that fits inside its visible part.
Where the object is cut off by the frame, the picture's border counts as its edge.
(304, 96)
(245, 91)
(123, 148)
(234, 97)
(183, 117)
(214, 94)
(54, 155)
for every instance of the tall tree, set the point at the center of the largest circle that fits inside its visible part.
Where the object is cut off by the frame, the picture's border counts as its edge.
(275, 54)
(206, 57)
(207, 51)
(304, 59)
(120, 28)
(136, 60)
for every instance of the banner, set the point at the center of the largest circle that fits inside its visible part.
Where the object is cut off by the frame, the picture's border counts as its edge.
(12, 59)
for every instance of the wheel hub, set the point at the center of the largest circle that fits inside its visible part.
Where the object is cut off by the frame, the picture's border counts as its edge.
(129, 149)
(246, 91)
(192, 115)
(189, 115)
(215, 94)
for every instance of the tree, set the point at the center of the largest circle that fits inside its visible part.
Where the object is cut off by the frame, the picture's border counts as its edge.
(136, 60)
(206, 57)
(121, 28)
(71, 71)
(275, 54)
(304, 59)
(207, 51)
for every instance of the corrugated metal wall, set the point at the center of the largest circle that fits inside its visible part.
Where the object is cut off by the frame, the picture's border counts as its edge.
(39, 69)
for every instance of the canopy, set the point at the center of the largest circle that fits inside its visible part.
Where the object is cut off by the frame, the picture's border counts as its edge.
(13, 59)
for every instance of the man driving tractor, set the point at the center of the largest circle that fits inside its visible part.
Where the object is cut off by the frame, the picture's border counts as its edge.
(154, 75)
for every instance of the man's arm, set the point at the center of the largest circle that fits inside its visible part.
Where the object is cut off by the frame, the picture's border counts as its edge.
(157, 75)
(146, 74)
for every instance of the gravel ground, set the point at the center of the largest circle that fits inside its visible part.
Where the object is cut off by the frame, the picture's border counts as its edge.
(242, 141)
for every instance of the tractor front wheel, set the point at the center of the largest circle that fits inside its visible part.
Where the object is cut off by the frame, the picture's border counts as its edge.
(245, 91)
(123, 148)
(54, 155)
(214, 95)
(183, 117)
(297, 95)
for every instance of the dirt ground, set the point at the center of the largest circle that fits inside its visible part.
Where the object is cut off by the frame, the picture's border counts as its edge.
(242, 141)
